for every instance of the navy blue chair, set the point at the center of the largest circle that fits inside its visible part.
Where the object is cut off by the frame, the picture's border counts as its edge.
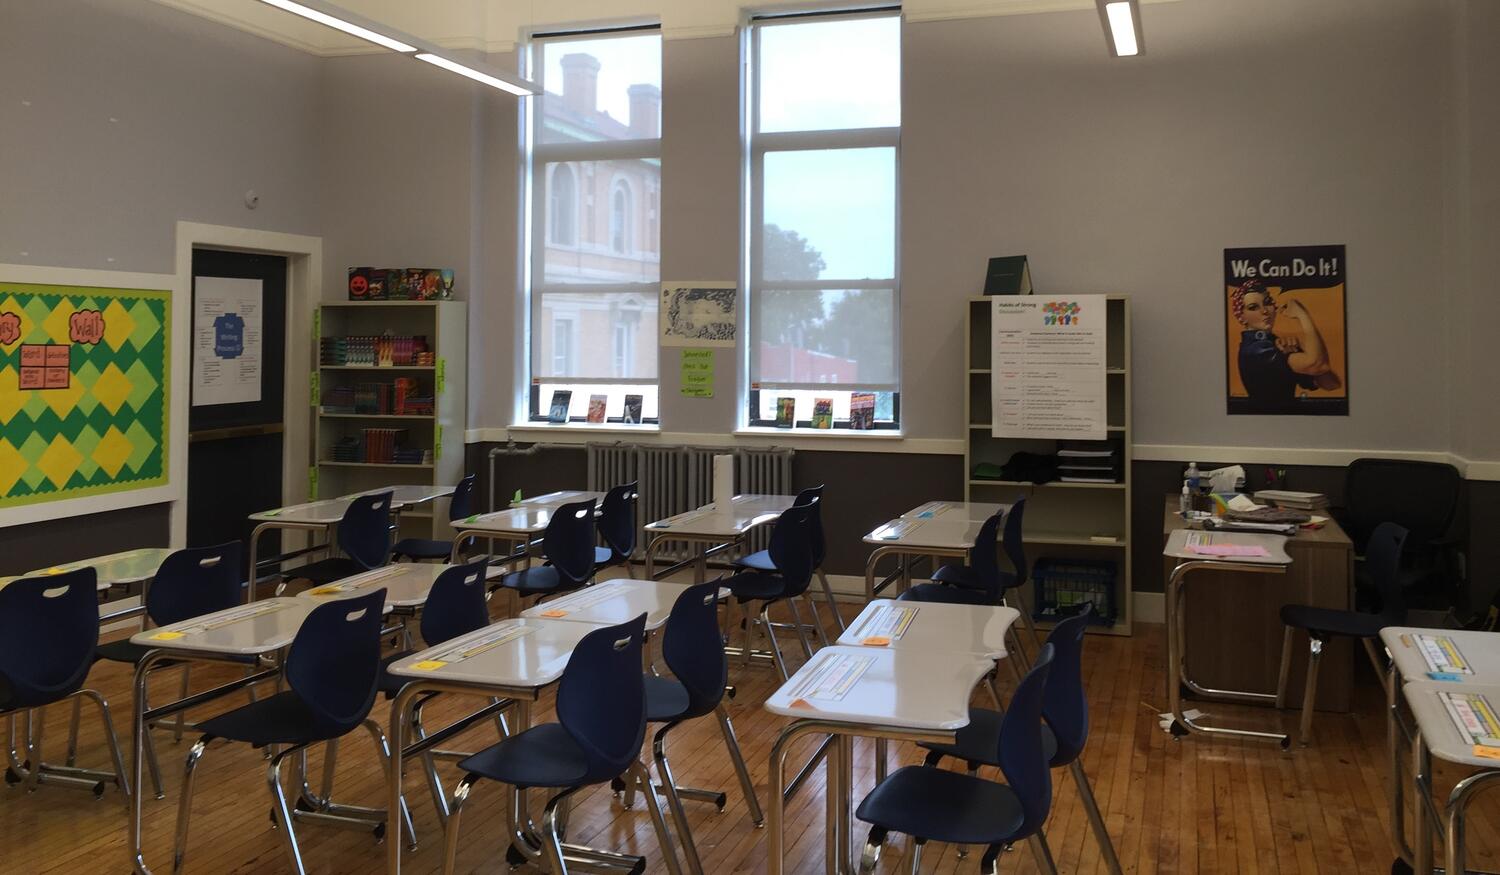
(1065, 708)
(568, 544)
(601, 714)
(332, 670)
(792, 554)
(982, 581)
(364, 537)
(461, 506)
(617, 526)
(933, 804)
(49, 627)
(694, 652)
(761, 559)
(456, 605)
(189, 583)
(1383, 553)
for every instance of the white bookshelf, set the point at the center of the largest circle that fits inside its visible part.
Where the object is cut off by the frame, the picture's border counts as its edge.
(445, 325)
(1063, 520)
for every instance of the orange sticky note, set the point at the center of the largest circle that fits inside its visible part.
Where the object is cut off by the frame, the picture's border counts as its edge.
(554, 614)
(876, 641)
(1484, 751)
(803, 703)
(327, 590)
(428, 665)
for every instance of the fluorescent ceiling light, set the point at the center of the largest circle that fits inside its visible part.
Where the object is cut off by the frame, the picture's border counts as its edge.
(518, 88)
(341, 20)
(1122, 24)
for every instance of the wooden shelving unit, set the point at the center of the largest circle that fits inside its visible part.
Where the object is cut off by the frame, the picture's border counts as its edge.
(445, 325)
(1063, 520)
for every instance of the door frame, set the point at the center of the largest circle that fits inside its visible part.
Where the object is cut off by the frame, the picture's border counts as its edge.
(304, 284)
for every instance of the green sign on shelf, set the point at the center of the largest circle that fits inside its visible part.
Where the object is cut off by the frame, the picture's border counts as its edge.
(312, 482)
(437, 442)
(441, 376)
(312, 388)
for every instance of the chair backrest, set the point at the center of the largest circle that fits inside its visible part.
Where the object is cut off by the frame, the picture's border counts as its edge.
(1383, 563)
(462, 503)
(983, 559)
(1022, 757)
(1012, 543)
(813, 496)
(694, 649)
(456, 605)
(569, 541)
(601, 699)
(49, 627)
(1422, 497)
(194, 582)
(334, 662)
(791, 547)
(365, 530)
(1065, 704)
(617, 519)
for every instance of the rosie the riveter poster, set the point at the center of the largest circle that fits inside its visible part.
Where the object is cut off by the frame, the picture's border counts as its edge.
(1287, 351)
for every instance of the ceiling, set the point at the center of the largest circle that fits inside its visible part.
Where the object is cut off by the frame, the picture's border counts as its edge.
(495, 25)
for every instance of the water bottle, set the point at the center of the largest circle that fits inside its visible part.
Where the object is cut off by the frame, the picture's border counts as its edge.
(1185, 504)
(1192, 477)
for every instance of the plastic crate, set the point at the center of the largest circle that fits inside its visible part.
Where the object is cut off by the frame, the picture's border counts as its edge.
(1061, 585)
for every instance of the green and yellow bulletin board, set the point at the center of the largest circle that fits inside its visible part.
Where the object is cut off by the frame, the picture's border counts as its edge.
(84, 379)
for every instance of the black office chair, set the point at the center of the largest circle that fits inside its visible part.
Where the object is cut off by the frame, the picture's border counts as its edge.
(1421, 497)
(1383, 562)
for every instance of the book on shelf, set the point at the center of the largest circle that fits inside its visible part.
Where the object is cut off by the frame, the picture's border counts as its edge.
(822, 415)
(561, 400)
(596, 408)
(1007, 275)
(862, 410)
(632, 410)
(786, 412)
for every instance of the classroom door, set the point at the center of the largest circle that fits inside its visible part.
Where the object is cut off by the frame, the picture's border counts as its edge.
(236, 422)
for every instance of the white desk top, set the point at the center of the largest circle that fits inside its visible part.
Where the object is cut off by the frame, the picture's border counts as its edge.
(527, 520)
(974, 511)
(406, 584)
(559, 498)
(328, 511)
(1439, 732)
(116, 569)
(880, 686)
(745, 512)
(1179, 541)
(259, 627)
(931, 626)
(1479, 650)
(938, 533)
(524, 652)
(614, 601)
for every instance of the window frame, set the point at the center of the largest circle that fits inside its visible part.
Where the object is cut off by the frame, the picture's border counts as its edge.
(537, 166)
(756, 145)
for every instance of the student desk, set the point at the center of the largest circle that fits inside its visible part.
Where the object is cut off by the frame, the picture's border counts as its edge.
(1234, 631)
(1180, 547)
(559, 498)
(253, 631)
(406, 585)
(514, 526)
(612, 602)
(1405, 645)
(515, 659)
(937, 529)
(713, 529)
(906, 694)
(1439, 736)
(321, 516)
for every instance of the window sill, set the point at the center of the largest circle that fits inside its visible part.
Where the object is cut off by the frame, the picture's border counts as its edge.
(824, 433)
(591, 427)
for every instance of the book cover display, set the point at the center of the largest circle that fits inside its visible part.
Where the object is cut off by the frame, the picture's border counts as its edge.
(400, 284)
(862, 410)
(822, 416)
(632, 410)
(786, 412)
(561, 399)
(596, 408)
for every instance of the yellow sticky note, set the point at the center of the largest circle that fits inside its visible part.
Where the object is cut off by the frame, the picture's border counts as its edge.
(1484, 751)
(327, 590)
(554, 614)
(876, 641)
(429, 665)
(54, 571)
(166, 636)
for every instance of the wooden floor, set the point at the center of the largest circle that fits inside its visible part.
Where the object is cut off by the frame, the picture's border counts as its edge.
(1197, 805)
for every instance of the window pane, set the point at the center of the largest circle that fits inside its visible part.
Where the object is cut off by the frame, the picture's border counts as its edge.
(613, 394)
(830, 75)
(601, 89)
(845, 337)
(599, 221)
(596, 334)
(829, 214)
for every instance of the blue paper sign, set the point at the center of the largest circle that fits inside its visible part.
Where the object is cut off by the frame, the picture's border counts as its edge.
(229, 336)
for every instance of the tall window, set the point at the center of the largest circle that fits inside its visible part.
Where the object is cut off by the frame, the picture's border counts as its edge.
(824, 114)
(595, 140)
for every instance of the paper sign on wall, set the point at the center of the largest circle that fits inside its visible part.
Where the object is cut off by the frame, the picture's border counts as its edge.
(1048, 370)
(698, 373)
(226, 340)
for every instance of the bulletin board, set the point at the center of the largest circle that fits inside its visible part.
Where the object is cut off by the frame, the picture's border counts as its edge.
(85, 374)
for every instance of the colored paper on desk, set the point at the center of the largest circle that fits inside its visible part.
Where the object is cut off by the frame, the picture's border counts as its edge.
(554, 614)
(1240, 550)
(1473, 717)
(1484, 751)
(1442, 676)
(876, 641)
(428, 665)
(327, 590)
(166, 636)
(802, 703)
(1442, 654)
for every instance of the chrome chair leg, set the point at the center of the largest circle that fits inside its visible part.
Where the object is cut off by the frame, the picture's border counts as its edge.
(283, 812)
(747, 786)
(871, 854)
(72, 758)
(765, 621)
(800, 629)
(450, 830)
(1096, 819)
(383, 750)
(1310, 688)
(1285, 673)
(182, 692)
(111, 740)
(36, 722)
(659, 823)
(429, 769)
(1043, 854)
(185, 804)
(551, 838)
(833, 604)
(749, 626)
(916, 855)
(674, 800)
(152, 765)
(817, 619)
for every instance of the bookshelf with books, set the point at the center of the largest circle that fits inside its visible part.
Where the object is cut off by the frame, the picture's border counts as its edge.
(391, 396)
(1078, 517)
